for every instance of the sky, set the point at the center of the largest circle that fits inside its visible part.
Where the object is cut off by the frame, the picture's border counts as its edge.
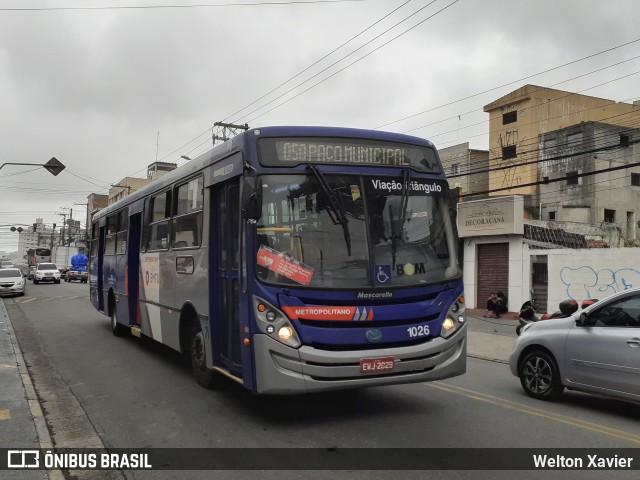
(108, 87)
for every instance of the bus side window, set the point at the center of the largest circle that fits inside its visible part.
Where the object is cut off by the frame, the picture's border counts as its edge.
(187, 214)
(112, 230)
(157, 231)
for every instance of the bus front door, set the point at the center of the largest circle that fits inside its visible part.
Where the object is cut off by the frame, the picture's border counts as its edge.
(225, 309)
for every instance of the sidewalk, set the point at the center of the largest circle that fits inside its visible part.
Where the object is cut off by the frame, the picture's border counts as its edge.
(22, 424)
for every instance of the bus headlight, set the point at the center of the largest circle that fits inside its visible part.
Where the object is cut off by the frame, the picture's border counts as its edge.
(274, 323)
(456, 317)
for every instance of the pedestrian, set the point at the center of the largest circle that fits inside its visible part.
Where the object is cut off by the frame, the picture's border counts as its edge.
(501, 304)
(491, 305)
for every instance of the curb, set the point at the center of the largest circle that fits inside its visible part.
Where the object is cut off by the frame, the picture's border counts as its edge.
(44, 438)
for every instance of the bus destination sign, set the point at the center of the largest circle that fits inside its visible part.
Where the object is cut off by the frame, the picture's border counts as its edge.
(293, 151)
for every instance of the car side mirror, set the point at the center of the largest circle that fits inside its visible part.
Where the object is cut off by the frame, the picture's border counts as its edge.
(582, 320)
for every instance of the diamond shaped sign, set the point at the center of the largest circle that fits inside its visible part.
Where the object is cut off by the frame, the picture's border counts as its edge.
(54, 166)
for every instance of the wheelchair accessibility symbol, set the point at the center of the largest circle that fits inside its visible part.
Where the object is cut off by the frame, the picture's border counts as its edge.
(382, 274)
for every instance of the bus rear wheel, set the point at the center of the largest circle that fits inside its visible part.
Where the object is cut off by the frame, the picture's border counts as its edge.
(205, 377)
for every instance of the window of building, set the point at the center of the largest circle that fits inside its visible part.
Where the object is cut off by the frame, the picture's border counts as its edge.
(509, 152)
(609, 215)
(552, 215)
(187, 219)
(545, 180)
(455, 169)
(624, 140)
(510, 117)
(572, 178)
(635, 179)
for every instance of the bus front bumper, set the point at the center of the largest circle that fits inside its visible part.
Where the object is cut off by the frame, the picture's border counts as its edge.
(285, 370)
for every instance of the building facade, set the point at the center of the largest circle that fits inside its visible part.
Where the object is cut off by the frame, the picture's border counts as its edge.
(611, 197)
(466, 168)
(517, 119)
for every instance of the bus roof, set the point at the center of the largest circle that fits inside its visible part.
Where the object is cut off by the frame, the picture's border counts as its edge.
(240, 141)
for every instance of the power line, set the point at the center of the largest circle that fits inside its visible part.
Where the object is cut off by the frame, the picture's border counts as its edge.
(353, 63)
(511, 83)
(559, 179)
(324, 57)
(156, 7)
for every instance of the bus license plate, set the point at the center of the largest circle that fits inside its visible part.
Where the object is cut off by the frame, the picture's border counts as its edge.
(376, 365)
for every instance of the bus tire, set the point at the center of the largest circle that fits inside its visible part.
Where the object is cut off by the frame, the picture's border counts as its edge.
(118, 329)
(205, 377)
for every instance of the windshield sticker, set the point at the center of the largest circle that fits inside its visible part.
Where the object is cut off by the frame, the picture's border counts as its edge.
(284, 265)
(382, 274)
(330, 313)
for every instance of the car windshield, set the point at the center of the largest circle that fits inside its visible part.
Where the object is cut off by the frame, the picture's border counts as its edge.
(10, 273)
(348, 231)
(47, 266)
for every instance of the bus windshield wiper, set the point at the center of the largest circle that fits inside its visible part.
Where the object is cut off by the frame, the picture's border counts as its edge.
(404, 201)
(335, 209)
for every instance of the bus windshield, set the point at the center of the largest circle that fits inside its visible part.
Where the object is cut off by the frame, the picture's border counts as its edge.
(352, 231)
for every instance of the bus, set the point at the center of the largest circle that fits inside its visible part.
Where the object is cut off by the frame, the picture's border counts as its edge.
(291, 260)
(38, 255)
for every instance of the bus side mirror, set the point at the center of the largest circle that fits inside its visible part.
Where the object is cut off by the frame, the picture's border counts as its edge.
(252, 198)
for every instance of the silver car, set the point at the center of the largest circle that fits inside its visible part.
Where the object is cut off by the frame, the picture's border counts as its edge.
(11, 281)
(595, 350)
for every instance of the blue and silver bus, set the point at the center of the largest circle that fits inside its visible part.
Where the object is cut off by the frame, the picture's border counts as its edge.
(291, 260)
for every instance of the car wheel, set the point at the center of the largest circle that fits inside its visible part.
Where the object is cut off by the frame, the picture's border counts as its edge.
(35, 281)
(539, 376)
(57, 281)
(118, 329)
(205, 377)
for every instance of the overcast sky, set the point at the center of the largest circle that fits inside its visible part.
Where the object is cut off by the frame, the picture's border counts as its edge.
(109, 90)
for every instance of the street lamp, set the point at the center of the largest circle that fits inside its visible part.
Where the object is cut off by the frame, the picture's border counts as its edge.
(53, 166)
(186, 157)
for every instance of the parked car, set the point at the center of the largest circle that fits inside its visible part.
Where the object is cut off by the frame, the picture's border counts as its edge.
(12, 281)
(46, 272)
(6, 264)
(595, 350)
(80, 275)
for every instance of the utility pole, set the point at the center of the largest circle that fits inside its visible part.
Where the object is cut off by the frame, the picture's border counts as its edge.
(61, 239)
(226, 126)
(70, 224)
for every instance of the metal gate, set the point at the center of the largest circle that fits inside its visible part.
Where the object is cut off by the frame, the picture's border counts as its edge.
(493, 272)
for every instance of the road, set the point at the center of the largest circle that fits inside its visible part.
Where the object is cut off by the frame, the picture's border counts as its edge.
(98, 390)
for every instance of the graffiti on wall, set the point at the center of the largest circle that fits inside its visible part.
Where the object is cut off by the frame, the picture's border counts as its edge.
(585, 282)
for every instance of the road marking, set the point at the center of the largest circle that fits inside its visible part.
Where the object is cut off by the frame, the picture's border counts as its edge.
(501, 402)
(5, 415)
(7, 365)
(27, 300)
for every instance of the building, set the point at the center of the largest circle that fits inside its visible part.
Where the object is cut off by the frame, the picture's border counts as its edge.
(95, 202)
(609, 197)
(517, 120)
(537, 135)
(128, 185)
(466, 168)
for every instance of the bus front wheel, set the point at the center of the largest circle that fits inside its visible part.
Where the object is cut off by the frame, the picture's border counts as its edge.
(205, 377)
(118, 329)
